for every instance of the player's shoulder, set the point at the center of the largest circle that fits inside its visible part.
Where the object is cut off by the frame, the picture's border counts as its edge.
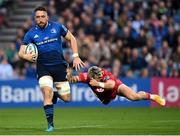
(58, 25)
(105, 71)
(31, 30)
(83, 76)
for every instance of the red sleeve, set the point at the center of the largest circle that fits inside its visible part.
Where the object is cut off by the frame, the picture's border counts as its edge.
(112, 77)
(83, 77)
(109, 74)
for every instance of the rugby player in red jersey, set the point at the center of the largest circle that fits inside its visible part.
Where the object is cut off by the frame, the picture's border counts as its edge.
(106, 86)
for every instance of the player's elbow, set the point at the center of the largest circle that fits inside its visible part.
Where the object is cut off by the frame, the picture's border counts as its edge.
(21, 52)
(73, 39)
(109, 85)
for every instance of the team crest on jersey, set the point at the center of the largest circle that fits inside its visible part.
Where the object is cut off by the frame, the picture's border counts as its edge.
(53, 30)
(36, 36)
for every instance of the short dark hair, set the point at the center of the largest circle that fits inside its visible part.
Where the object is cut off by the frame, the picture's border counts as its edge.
(40, 9)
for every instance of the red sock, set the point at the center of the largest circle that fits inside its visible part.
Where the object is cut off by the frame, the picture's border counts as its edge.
(148, 95)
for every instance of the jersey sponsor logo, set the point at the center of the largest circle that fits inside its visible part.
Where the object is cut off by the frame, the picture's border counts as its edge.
(53, 31)
(47, 41)
(36, 36)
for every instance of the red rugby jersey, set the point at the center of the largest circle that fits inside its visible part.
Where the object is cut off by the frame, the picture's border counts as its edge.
(104, 95)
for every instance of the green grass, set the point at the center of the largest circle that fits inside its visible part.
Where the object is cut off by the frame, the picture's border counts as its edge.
(92, 121)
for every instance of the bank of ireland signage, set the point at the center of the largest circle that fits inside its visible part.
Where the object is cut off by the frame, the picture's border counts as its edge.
(168, 88)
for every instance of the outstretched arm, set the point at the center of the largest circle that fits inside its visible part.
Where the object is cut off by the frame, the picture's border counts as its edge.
(106, 85)
(77, 62)
(70, 77)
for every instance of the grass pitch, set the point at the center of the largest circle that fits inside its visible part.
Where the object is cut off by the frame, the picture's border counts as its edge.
(92, 121)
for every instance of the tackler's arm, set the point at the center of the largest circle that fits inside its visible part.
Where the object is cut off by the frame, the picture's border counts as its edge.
(105, 85)
(70, 77)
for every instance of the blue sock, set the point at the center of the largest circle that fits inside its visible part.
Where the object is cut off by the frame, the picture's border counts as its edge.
(49, 111)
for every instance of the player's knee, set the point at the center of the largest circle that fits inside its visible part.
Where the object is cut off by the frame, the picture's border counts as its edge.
(142, 93)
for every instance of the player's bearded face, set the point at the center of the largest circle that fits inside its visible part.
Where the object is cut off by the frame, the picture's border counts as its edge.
(41, 18)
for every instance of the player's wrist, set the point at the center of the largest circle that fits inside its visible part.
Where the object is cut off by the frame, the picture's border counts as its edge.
(75, 55)
(100, 84)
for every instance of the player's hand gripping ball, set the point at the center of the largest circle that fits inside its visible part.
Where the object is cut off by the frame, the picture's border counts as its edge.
(32, 49)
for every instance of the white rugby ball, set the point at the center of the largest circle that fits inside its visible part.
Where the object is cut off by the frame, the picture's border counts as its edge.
(32, 49)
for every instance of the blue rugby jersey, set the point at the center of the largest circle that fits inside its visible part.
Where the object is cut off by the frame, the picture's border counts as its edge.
(48, 42)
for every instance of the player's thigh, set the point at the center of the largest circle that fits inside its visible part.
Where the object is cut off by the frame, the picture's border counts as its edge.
(44, 77)
(42, 70)
(62, 85)
(58, 72)
(46, 83)
(124, 90)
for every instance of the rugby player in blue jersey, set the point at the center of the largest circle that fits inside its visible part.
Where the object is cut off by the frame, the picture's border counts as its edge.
(51, 65)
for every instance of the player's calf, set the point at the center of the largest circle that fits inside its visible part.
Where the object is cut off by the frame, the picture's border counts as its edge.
(55, 97)
(66, 98)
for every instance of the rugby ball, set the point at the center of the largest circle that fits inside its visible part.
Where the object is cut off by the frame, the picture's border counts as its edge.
(32, 49)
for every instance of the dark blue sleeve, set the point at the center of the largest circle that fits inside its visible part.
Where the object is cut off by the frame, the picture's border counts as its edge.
(63, 30)
(27, 39)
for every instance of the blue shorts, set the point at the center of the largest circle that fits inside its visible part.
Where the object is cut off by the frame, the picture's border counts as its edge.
(57, 72)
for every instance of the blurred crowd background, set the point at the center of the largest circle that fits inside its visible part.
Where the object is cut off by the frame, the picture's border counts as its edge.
(130, 38)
